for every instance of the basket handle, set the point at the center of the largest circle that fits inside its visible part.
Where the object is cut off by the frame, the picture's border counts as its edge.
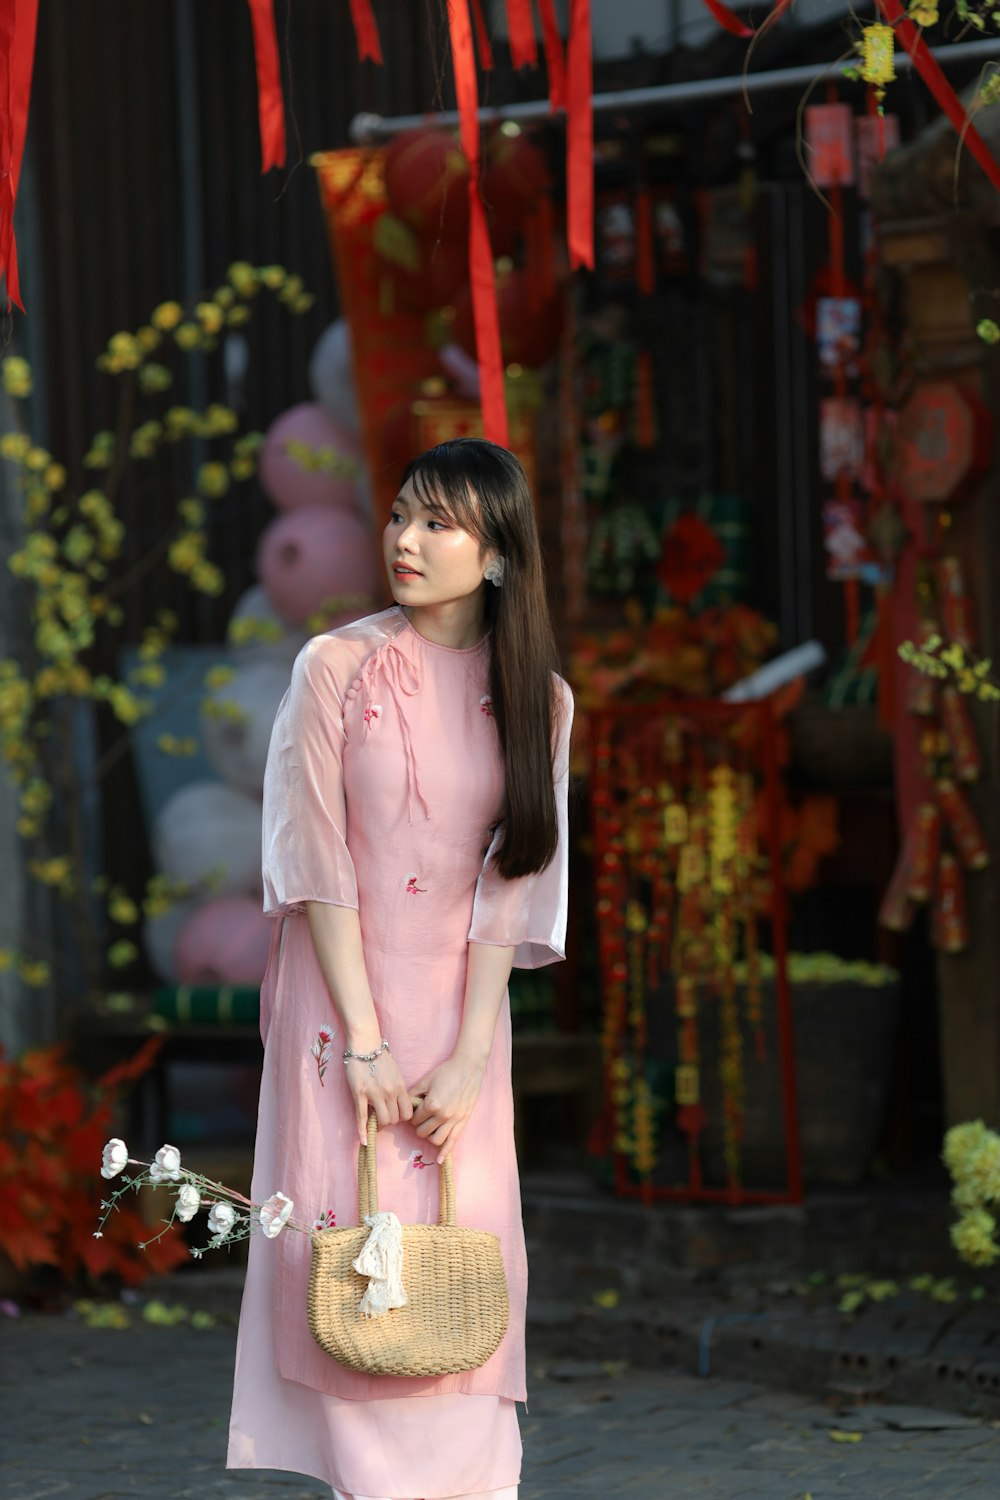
(368, 1180)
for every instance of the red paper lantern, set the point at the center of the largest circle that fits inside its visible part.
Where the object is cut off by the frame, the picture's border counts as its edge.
(443, 268)
(529, 335)
(427, 182)
(515, 176)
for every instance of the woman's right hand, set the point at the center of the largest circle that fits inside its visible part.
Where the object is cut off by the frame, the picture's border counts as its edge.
(383, 1091)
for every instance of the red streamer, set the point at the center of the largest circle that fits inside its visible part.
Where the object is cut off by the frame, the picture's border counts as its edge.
(481, 277)
(580, 139)
(728, 19)
(366, 30)
(270, 103)
(521, 34)
(736, 26)
(555, 61)
(482, 38)
(944, 95)
(18, 24)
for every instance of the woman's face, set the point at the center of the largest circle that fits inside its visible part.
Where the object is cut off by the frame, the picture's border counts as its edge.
(430, 559)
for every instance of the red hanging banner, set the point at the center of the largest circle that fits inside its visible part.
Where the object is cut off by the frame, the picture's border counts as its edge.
(270, 103)
(580, 139)
(366, 30)
(555, 61)
(521, 34)
(18, 24)
(944, 95)
(481, 276)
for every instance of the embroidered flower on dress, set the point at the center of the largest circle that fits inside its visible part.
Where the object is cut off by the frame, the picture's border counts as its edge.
(412, 889)
(417, 1161)
(322, 1049)
(486, 705)
(325, 1221)
(373, 713)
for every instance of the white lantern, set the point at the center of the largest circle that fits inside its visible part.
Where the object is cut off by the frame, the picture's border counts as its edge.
(159, 938)
(237, 720)
(208, 835)
(268, 637)
(331, 374)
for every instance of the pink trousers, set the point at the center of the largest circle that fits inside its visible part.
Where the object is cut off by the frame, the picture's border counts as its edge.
(510, 1493)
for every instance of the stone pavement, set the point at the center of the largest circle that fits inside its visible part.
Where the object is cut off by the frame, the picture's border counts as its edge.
(98, 1414)
(754, 1293)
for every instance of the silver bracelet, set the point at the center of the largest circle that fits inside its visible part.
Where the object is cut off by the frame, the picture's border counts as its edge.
(371, 1058)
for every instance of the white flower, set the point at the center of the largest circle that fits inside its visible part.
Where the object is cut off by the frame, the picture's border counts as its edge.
(166, 1167)
(274, 1214)
(114, 1159)
(221, 1218)
(188, 1202)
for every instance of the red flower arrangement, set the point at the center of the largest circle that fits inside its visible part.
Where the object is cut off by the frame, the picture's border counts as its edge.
(53, 1124)
(673, 653)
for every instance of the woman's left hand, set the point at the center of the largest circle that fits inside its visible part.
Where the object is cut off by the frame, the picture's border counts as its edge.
(450, 1092)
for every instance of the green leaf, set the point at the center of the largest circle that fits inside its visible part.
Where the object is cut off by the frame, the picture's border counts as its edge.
(396, 243)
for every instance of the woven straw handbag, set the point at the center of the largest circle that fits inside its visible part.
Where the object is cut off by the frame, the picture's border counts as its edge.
(449, 1280)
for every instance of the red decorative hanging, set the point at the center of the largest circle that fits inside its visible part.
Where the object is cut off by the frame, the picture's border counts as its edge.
(645, 405)
(645, 267)
(18, 24)
(580, 139)
(692, 554)
(270, 103)
(482, 37)
(484, 296)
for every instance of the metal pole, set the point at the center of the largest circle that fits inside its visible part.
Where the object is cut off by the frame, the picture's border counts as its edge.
(367, 128)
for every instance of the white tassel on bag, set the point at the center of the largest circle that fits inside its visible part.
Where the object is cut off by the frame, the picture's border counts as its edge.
(381, 1259)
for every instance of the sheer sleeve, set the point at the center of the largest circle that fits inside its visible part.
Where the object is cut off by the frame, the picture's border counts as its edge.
(529, 914)
(305, 856)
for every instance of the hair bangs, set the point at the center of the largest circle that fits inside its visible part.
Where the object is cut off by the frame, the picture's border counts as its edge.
(443, 487)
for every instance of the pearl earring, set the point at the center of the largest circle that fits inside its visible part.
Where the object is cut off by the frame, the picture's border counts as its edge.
(494, 572)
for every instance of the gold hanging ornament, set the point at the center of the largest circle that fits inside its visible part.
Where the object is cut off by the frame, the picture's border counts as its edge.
(878, 57)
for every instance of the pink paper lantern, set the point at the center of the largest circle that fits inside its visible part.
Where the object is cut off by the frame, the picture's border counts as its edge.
(308, 558)
(292, 480)
(224, 942)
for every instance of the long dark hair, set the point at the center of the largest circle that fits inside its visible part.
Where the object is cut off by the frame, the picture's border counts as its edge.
(484, 489)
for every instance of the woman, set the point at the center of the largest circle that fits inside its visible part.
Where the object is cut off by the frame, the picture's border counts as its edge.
(414, 850)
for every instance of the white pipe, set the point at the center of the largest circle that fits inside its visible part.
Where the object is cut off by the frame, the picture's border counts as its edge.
(367, 128)
(775, 674)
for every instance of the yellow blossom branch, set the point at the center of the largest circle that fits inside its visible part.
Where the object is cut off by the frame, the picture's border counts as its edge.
(949, 662)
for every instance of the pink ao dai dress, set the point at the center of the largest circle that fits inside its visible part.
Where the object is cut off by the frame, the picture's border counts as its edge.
(383, 786)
